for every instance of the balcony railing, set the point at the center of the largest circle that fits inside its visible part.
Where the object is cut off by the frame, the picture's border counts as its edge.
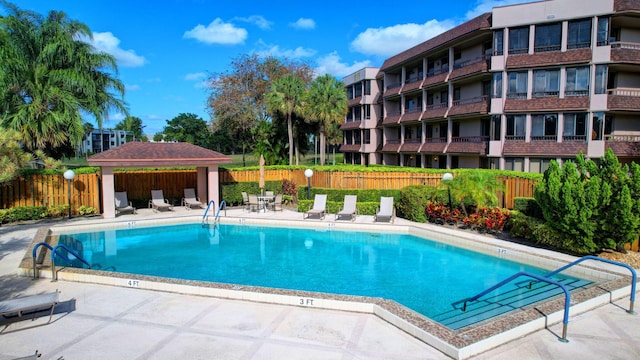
(517, 95)
(544, 138)
(460, 64)
(394, 85)
(413, 78)
(473, 100)
(580, 45)
(574, 138)
(627, 138)
(539, 49)
(543, 94)
(625, 45)
(437, 71)
(576, 92)
(624, 92)
(514, 138)
(412, 141)
(394, 113)
(393, 141)
(470, 139)
(437, 106)
(518, 51)
(432, 140)
(412, 110)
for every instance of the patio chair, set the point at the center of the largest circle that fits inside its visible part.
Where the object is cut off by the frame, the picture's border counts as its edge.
(190, 199)
(123, 205)
(386, 211)
(245, 200)
(32, 304)
(349, 208)
(254, 203)
(319, 206)
(276, 205)
(158, 202)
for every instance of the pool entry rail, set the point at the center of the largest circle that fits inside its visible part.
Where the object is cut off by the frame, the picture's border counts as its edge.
(212, 204)
(54, 252)
(567, 301)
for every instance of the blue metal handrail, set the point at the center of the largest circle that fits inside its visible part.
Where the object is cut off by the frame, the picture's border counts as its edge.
(567, 297)
(634, 276)
(222, 204)
(204, 216)
(53, 254)
(33, 255)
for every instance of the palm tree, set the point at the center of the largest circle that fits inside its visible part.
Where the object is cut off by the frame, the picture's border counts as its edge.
(49, 77)
(285, 96)
(326, 103)
(481, 188)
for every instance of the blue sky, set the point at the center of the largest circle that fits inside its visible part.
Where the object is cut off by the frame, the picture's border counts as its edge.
(167, 48)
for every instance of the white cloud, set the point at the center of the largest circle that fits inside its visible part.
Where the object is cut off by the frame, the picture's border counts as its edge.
(395, 39)
(132, 87)
(110, 44)
(331, 64)
(483, 6)
(304, 24)
(218, 32)
(296, 53)
(257, 20)
(116, 117)
(195, 76)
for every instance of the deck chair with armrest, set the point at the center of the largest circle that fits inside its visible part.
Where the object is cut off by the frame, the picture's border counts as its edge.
(245, 200)
(319, 208)
(190, 199)
(158, 202)
(276, 205)
(349, 208)
(254, 204)
(386, 211)
(123, 205)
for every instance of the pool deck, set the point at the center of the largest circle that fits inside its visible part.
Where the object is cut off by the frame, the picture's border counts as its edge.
(107, 322)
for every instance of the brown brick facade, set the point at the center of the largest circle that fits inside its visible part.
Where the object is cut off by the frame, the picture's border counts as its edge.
(627, 56)
(435, 113)
(478, 148)
(573, 103)
(546, 148)
(478, 67)
(351, 125)
(481, 107)
(549, 58)
(433, 147)
(625, 5)
(618, 102)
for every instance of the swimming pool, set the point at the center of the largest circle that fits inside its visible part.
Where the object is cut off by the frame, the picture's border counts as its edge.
(423, 275)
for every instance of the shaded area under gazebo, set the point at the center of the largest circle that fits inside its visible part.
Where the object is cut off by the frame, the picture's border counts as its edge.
(145, 154)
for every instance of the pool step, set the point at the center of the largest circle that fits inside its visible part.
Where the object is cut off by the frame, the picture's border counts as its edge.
(503, 302)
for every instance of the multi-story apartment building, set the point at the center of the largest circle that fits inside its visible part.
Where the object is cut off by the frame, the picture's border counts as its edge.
(360, 128)
(517, 88)
(101, 140)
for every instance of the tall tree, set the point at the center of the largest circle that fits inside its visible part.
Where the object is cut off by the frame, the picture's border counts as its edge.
(49, 76)
(188, 128)
(285, 96)
(327, 104)
(132, 124)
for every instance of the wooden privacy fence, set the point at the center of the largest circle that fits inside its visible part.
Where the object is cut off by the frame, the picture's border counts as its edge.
(51, 190)
(138, 184)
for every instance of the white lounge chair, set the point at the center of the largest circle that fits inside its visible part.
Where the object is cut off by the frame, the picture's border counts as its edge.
(319, 207)
(158, 202)
(31, 304)
(348, 208)
(190, 199)
(123, 205)
(386, 211)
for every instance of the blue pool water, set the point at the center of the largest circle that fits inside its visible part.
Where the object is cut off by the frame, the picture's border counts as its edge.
(424, 275)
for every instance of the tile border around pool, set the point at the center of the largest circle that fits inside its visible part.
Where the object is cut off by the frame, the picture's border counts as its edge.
(459, 344)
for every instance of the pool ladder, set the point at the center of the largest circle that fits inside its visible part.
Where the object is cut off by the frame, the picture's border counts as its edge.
(54, 252)
(567, 295)
(212, 204)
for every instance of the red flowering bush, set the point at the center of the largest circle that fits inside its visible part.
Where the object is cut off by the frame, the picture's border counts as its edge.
(439, 212)
(488, 219)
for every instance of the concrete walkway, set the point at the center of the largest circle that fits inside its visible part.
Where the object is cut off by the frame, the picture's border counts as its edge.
(104, 322)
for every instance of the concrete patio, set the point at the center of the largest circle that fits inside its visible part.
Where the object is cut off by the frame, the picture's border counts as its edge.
(105, 322)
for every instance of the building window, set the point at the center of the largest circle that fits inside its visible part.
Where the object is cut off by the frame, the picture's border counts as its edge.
(601, 79)
(350, 92)
(356, 137)
(367, 111)
(367, 87)
(519, 40)
(539, 165)
(544, 127)
(516, 127)
(575, 127)
(494, 132)
(367, 136)
(515, 164)
(547, 38)
(498, 42)
(517, 88)
(457, 92)
(603, 31)
(577, 81)
(358, 92)
(579, 35)
(496, 85)
(546, 83)
(444, 97)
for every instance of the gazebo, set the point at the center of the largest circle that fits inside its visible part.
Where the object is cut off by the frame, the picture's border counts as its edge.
(146, 154)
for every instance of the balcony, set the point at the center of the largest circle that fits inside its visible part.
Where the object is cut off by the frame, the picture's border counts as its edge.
(625, 52)
(411, 115)
(474, 105)
(411, 145)
(543, 148)
(434, 145)
(572, 103)
(391, 145)
(393, 117)
(553, 58)
(553, 138)
(469, 145)
(470, 67)
(435, 111)
(393, 89)
(623, 99)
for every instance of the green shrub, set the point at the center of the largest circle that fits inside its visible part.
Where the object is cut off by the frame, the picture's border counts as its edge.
(412, 204)
(232, 192)
(57, 210)
(24, 213)
(528, 206)
(86, 210)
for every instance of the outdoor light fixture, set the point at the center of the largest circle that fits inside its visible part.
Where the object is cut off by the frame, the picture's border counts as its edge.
(446, 178)
(308, 173)
(69, 174)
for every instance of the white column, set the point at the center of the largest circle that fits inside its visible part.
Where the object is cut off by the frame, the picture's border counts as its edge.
(201, 187)
(108, 192)
(213, 189)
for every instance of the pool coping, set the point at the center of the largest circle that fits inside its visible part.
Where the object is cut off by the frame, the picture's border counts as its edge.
(458, 344)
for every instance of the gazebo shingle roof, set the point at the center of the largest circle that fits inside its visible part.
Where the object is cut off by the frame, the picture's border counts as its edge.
(135, 154)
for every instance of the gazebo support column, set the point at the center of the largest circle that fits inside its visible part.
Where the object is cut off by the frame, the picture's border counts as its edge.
(108, 193)
(201, 187)
(213, 192)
